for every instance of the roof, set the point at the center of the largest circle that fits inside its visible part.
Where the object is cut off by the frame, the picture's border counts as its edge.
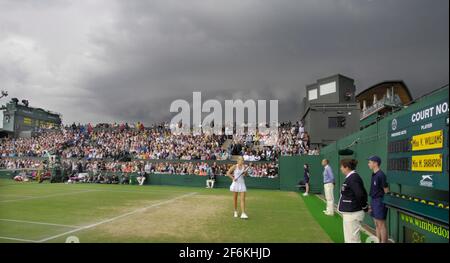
(334, 76)
(373, 88)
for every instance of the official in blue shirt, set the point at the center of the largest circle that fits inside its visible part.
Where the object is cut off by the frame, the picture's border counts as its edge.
(378, 187)
(328, 185)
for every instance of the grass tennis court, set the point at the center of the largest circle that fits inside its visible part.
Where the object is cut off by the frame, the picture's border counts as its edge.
(31, 212)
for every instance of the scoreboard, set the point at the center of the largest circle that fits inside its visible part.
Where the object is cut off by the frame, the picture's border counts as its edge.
(417, 155)
(418, 148)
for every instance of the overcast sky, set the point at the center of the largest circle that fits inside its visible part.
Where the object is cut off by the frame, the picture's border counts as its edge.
(105, 60)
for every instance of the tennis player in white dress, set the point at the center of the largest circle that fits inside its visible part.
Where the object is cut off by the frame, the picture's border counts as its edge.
(236, 174)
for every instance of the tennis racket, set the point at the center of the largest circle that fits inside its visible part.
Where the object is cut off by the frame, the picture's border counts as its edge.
(243, 172)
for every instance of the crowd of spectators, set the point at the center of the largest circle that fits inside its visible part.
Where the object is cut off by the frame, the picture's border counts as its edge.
(157, 142)
(37, 146)
(266, 169)
(20, 163)
(131, 148)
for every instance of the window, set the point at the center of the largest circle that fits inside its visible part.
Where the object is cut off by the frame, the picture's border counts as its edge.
(328, 88)
(312, 94)
(336, 122)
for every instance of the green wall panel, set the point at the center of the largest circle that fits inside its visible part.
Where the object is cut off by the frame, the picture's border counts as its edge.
(291, 172)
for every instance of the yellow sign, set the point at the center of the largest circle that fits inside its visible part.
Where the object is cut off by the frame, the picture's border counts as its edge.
(427, 163)
(428, 141)
(27, 121)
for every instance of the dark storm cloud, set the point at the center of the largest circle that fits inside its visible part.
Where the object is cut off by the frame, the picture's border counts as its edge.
(155, 52)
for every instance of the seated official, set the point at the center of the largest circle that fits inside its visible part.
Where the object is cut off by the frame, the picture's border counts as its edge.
(210, 171)
(141, 178)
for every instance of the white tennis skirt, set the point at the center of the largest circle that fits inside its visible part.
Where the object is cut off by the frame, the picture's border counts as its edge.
(238, 187)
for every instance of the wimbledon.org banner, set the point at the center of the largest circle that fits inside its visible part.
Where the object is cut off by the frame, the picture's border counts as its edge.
(425, 225)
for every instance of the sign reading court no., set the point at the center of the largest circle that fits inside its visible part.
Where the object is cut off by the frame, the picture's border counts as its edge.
(424, 133)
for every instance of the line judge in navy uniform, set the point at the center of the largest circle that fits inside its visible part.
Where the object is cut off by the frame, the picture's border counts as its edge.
(377, 209)
(353, 201)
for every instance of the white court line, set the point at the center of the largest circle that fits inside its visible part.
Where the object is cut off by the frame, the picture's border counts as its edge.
(46, 196)
(116, 217)
(136, 192)
(19, 239)
(37, 223)
(27, 197)
(16, 195)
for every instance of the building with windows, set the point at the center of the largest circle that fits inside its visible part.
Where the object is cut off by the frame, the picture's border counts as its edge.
(330, 109)
(20, 120)
(382, 99)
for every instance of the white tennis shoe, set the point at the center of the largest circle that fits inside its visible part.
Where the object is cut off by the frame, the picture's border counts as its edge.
(236, 214)
(244, 216)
